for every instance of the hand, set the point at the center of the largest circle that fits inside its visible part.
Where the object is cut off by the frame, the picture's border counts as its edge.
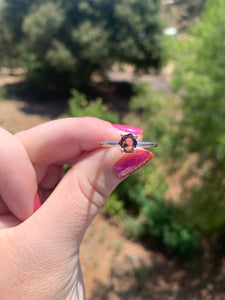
(39, 252)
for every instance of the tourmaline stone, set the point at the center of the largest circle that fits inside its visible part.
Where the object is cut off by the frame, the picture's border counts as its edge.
(128, 143)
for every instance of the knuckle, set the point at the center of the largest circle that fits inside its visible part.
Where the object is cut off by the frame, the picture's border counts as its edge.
(95, 192)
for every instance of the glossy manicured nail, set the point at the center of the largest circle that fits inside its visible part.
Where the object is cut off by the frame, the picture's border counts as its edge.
(128, 129)
(131, 162)
(37, 202)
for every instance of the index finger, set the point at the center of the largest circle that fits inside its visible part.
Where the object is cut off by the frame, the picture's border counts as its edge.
(65, 139)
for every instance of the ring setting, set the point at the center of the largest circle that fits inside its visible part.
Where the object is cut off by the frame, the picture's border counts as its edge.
(128, 143)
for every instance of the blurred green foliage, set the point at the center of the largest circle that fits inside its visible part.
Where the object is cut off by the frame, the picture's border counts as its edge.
(79, 106)
(62, 43)
(3, 93)
(9, 55)
(200, 77)
(162, 220)
(114, 207)
(134, 227)
(167, 226)
(155, 113)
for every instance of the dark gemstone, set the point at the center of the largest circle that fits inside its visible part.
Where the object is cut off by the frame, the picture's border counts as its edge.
(128, 143)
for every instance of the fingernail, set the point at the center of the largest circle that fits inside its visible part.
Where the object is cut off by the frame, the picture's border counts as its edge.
(131, 162)
(37, 202)
(126, 128)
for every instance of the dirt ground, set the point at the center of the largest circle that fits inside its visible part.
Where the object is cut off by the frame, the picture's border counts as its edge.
(115, 267)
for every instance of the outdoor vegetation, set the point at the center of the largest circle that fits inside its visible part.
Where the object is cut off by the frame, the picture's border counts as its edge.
(62, 44)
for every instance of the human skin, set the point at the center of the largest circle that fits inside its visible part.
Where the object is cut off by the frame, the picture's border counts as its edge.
(39, 251)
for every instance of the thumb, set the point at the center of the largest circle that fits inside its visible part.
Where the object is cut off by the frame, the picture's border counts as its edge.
(47, 243)
(65, 216)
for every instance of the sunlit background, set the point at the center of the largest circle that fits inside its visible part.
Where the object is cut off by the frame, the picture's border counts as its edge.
(158, 65)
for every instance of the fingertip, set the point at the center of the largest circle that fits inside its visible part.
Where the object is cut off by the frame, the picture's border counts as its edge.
(131, 162)
(129, 129)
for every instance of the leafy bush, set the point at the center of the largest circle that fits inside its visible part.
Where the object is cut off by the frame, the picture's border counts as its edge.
(79, 106)
(155, 114)
(157, 218)
(9, 54)
(166, 225)
(150, 215)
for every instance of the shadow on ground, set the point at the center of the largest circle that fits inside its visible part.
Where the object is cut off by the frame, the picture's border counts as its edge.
(36, 102)
(133, 280)
(115, 95)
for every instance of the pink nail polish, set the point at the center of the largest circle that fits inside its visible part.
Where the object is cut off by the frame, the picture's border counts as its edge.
(131, 162)
(37, 202)
(126, 128)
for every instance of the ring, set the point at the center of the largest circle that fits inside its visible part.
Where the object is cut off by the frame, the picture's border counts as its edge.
(128, 143)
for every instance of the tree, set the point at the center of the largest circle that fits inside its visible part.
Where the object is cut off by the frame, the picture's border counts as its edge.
(8, 53)
(66, 41)
(201, 75)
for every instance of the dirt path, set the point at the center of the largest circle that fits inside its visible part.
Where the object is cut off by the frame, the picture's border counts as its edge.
(116, 268)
